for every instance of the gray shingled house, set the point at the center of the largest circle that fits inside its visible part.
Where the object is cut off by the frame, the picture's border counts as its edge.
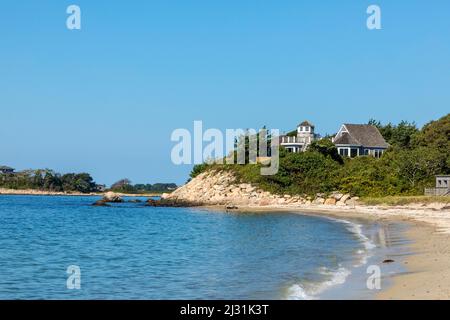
(354, 140)
(6, 169)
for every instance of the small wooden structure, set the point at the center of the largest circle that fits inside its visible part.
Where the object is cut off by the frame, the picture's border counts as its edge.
(442, 187)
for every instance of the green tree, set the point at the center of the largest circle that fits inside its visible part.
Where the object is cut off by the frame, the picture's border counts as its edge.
(400, 135)
(418, 165)
(197, 169)
(436, 134)
(327, 148)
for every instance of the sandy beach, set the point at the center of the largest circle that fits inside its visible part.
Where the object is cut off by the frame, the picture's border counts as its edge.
(426, 258)
(428, 266)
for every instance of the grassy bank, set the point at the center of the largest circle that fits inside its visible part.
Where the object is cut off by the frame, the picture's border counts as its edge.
(404, 200)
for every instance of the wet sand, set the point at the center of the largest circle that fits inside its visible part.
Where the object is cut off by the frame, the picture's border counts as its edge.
(428, 266)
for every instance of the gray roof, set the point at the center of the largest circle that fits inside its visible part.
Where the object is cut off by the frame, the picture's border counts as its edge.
(306, 124)
(362, 135)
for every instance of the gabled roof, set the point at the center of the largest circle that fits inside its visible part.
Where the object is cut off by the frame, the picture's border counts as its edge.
(361, 135)
(306, 124)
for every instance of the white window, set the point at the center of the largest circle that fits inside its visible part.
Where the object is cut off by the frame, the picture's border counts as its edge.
(378, 153)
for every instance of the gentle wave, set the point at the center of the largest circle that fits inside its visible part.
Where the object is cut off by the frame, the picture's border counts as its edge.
(367, 243)
(339, 276)
(312, 291)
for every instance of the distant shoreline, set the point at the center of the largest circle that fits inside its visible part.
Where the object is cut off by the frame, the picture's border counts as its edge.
(31, 192)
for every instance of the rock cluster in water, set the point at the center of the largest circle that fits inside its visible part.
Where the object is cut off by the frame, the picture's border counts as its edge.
(108, 197)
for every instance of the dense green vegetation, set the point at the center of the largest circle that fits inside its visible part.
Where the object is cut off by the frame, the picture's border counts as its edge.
(125, 186)
(48, 180)
(408, 166)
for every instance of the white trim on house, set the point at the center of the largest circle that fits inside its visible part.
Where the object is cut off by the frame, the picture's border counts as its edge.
(341, 131)
(300, 142)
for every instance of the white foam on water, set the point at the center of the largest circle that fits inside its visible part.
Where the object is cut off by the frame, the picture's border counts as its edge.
(356, 229)
(339, 276)
(300, 292)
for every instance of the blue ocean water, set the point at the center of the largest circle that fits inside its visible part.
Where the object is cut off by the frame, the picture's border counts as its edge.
(130, 251)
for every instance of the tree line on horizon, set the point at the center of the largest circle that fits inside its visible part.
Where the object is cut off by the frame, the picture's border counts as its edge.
(49, 180)
(125, 186)
(409, 165)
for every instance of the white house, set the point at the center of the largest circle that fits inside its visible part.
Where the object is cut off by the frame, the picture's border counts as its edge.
(300, 141)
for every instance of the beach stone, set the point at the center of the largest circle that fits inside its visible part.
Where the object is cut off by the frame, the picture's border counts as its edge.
(151, 202)
(336, 195)
(135, 201)
(352, 201)
(100, 203)
(319, 200)
(345, 197)
(341, 203)
(112, 197)
(330, 201)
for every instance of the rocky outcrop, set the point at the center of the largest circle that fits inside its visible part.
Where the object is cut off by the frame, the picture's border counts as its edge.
(101, 203)
(135, 201)
(112, 197)
(222, 188)
(108, 197)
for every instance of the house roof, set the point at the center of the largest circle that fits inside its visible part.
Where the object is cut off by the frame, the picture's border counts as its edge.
(361, 135)
(306, 124)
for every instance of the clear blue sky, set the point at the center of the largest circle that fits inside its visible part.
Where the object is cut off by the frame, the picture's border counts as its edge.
(105, 99)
